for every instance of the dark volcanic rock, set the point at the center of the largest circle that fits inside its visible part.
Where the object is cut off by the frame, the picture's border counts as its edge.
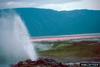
(40, 63)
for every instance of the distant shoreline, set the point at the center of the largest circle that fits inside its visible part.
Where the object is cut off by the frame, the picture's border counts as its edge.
(65, 37)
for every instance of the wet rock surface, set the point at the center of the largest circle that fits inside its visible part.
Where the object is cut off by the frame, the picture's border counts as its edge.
(42, 62)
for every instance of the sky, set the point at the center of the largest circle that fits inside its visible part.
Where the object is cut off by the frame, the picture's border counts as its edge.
(52, 4)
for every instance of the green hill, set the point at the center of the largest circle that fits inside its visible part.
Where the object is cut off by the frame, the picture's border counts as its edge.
(46, 22)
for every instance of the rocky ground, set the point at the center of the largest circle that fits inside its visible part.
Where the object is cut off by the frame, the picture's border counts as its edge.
(41, 62)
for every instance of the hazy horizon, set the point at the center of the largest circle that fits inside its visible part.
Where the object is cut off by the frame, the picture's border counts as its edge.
(58, 5)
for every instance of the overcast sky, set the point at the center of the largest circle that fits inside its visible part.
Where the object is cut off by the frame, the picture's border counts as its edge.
(52, 4)
(38, 1)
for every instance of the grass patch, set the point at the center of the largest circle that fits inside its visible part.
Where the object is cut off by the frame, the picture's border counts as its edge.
(73, 51)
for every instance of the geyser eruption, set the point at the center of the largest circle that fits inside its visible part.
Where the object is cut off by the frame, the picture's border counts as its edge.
(15, 45)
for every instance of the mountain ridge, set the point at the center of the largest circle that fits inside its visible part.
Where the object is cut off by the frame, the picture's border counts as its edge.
(51, 22)
(47, 22)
